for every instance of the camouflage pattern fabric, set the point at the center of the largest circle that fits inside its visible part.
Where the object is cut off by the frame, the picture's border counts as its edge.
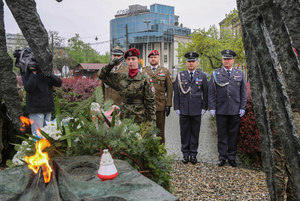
(110, 93)
(137, 94)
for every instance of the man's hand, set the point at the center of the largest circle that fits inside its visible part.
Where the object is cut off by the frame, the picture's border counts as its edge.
(167, 109)
(202, 112)
(115, 61)
(177, 112)
(242, 112)
(212, 112)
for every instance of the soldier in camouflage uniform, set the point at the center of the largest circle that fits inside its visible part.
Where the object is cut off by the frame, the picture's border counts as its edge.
(134, 87)
(108, 92)
(161, 79)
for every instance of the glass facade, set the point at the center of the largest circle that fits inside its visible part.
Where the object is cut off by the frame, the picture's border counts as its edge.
(145, 26)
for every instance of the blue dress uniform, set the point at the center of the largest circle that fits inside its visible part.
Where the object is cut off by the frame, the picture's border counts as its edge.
(190, 97)
(227, 95)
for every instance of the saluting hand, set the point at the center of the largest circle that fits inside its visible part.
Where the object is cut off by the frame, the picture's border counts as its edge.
(115, 61)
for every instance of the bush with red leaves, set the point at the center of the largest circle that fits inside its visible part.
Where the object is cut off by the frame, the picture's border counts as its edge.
(78, 89)
(249, 136)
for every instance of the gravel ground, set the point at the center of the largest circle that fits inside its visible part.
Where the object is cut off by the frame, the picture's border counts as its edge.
(205, 181)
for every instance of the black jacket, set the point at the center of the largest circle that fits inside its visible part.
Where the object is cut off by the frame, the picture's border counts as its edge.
(39, 91)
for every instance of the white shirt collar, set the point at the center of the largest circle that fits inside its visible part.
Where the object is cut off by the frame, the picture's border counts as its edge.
(228, 69)
(191, 71)
(154, 67)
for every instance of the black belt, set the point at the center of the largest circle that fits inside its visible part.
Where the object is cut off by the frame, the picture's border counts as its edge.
(134, 101)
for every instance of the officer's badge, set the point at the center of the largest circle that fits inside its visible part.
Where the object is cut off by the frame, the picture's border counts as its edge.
(191, 54)
(227, 51)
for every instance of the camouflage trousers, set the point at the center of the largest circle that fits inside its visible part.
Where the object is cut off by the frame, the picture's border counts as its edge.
(1, 145)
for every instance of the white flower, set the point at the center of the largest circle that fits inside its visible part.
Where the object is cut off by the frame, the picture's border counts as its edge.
(51, 130)
(138, 136)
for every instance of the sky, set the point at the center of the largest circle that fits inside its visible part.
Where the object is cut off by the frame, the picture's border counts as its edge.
(90, 18)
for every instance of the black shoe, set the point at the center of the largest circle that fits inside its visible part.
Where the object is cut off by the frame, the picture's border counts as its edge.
(232, 163)
(193, 160)
(222, 162)
(185, 159)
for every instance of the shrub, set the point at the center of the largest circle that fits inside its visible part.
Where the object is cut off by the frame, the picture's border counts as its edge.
(249, 136)
(73, 91)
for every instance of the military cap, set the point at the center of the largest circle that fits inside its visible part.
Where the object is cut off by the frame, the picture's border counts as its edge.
(132, 52)
(153, 52)
(191, 56)
(117, 51)
(228, 54)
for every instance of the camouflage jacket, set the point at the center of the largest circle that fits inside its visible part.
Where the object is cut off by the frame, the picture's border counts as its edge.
(110, 93)
(137, 94)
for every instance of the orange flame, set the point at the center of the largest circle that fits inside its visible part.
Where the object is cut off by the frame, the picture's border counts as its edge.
(40, 159)
(26, 122)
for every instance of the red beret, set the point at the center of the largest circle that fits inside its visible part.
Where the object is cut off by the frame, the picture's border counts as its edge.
(153, 52)
(132, 52)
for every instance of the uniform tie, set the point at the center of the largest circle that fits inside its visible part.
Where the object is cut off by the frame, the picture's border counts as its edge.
(228, 71)
(153, 70)
(191, 75)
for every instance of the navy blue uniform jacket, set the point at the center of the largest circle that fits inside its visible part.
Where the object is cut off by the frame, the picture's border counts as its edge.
(195, 100)
(229, 99)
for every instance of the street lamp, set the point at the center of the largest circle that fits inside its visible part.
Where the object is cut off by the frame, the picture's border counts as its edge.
(147, 22)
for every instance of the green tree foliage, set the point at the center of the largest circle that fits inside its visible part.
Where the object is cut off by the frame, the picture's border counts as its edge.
(83, 53)
(209, 43)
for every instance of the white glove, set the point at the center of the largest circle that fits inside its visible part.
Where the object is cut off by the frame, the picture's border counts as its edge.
(177, 112)
(242, 112)
(212, 112)
(202, 112)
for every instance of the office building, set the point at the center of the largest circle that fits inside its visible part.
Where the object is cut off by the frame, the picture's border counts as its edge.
(147, 29)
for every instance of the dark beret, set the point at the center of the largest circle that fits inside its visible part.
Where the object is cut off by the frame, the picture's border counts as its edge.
(132, 52)
(153, 52)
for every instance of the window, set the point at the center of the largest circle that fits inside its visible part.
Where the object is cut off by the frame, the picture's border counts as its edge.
(149, 47)
(165, 58)
(165, 46)
(179, 59)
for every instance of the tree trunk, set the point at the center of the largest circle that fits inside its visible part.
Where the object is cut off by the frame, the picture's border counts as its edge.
(274, 75)
(8, 79)
(25, 14)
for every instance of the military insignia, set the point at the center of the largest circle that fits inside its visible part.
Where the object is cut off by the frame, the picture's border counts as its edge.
(227, 51)
(197, 79)
(161, 74)
(191, 54)
(150, 80)
(130, 53)
(153, 89)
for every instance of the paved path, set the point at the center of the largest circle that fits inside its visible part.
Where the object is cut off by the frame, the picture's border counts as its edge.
(207, 150)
